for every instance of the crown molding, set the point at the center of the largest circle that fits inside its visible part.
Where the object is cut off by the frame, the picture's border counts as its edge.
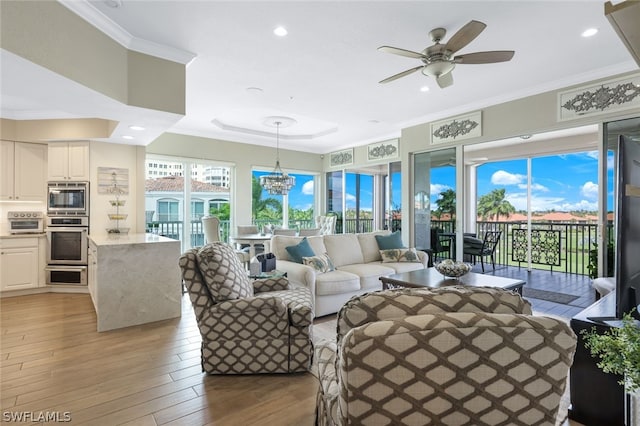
(97, 19)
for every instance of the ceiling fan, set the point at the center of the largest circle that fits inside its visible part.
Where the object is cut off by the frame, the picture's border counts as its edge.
(438, 60)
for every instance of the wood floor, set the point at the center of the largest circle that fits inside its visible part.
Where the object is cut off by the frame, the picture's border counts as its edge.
(54, 363)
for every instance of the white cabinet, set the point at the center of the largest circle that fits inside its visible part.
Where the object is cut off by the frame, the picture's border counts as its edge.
(19, 263)
(69, 161)
(23, 176)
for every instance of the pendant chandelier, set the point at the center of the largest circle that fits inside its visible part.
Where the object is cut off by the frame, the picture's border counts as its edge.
(277, 182)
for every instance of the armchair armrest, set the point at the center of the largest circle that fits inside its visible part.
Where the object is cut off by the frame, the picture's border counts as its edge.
(240, 319)
(271, 284)
(326, 353)
(299, 273)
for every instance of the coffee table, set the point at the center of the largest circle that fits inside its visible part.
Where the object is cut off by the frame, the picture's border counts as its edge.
(431, 278)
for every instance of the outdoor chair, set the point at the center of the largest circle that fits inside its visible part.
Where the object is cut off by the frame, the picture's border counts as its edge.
(476, 247)
(247, 327)
(440, 243)
(447, 356)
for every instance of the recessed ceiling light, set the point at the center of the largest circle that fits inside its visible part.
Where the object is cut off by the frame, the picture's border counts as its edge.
(127, 137)
(137, 128)
(589, 32)
(424, 89)
(280, 31)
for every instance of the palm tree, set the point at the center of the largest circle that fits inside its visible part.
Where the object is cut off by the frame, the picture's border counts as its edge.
(268, 208)
(494, 204)
(447, 203)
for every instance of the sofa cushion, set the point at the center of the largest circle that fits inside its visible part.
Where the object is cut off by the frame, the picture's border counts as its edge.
(300, 250)
(400, 267)
(399, 255)
(369, 274)
(344, 249)
(223, 273)
(391, 241)
(369, 245)
(321, 263)
(336, 282)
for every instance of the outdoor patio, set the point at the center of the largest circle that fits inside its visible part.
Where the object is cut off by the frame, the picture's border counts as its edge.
(555, 293)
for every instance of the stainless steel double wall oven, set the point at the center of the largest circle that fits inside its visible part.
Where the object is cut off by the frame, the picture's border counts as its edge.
(67, 233)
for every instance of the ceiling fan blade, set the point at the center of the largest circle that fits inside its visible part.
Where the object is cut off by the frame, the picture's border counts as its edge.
(485, 57)
(401, 74)
(401, 52)
(445, 80)
(465, 35)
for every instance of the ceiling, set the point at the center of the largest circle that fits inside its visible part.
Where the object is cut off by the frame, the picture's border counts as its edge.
(324, 74)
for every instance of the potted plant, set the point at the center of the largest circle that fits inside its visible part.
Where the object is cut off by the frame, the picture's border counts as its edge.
(619, 351)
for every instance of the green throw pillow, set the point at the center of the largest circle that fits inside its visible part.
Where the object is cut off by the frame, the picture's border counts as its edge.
(391, 241)
(300, 250)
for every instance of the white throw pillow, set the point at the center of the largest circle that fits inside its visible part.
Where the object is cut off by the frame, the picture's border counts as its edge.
(320, 263)
(399, 255)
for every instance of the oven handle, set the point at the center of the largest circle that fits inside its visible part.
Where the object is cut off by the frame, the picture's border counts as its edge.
(66, 229)
(66, 268)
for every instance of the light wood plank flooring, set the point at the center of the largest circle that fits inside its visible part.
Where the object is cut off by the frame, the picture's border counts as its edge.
(52, 360)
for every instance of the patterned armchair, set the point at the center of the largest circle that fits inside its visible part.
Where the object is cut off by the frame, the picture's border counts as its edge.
(246, 328)
(446, 356)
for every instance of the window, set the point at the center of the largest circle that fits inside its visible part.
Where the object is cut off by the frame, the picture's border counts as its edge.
(197, 209)
(296, 209)
(168, 210)
(176, 215)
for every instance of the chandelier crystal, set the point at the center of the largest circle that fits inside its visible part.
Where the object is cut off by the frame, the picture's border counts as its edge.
(277, 182)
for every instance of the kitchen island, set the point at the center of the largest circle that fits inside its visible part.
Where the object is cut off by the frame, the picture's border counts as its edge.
(134, 279)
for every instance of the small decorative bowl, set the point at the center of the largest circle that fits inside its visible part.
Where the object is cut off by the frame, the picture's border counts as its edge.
(452, 269)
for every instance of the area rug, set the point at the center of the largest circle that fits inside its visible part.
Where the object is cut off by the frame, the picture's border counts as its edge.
(549, 296)
(324, 328)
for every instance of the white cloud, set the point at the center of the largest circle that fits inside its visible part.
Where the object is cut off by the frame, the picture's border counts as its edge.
(590, 190)
(505, 178)
(534, 187)
(350, 198)
(307, 188)
(437, 188)
(580, 205)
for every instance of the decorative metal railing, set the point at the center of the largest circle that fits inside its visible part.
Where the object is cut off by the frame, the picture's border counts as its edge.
(555, 246)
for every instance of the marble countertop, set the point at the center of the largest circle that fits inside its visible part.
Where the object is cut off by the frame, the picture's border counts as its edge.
(121, 239)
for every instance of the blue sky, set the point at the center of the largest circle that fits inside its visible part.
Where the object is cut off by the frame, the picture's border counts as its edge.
(567, 182)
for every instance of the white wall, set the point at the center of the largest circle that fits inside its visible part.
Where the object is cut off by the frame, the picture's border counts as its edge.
(121, 156)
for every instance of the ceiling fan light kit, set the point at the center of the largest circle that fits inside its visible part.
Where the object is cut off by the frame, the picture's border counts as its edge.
(439, 60)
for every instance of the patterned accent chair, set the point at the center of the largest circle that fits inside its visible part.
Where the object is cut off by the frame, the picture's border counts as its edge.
(447, 356)
(247, 327)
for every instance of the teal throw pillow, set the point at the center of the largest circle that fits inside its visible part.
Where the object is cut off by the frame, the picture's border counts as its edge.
(300, 250)
(390, 242)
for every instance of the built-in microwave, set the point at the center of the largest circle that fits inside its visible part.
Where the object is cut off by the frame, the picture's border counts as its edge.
(68, 198)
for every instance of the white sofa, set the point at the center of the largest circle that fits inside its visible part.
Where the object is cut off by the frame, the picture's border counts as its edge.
(358, 267)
